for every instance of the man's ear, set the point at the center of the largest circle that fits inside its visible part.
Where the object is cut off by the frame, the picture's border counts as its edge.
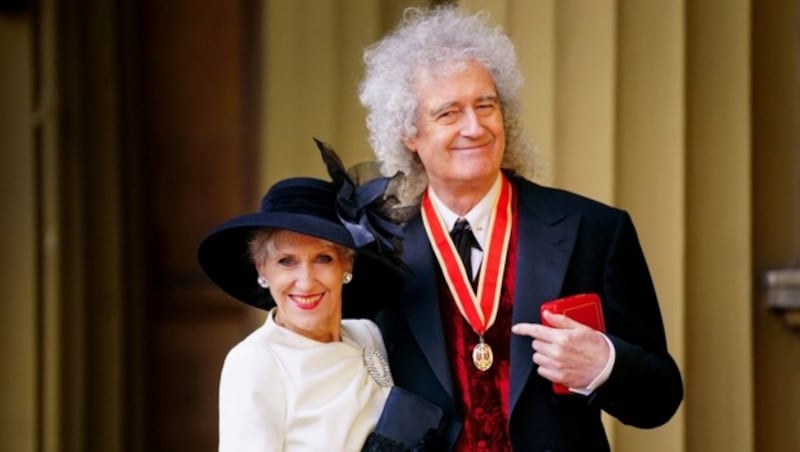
(411, 143)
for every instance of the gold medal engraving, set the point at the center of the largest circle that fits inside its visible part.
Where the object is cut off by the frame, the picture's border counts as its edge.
(482, 356)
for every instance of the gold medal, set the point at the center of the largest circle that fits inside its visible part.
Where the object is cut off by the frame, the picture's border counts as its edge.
(482, 356)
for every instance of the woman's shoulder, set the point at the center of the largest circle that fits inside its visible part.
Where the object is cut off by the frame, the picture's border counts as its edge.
(256, 345)
(364, 331)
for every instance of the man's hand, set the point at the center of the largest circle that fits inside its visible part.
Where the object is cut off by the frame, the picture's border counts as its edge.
(568, 353)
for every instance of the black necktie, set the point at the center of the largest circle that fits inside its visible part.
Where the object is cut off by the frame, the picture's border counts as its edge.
(464, 240)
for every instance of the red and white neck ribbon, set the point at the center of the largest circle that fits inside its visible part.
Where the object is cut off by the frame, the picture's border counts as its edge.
(478, 308)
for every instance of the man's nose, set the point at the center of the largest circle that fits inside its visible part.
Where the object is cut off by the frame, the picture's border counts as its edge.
(471, 126)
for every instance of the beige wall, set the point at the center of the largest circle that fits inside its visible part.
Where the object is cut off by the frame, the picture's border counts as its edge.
(54, 397)
(718, 267)
(19, 409)
(644, 104)
(312, 65)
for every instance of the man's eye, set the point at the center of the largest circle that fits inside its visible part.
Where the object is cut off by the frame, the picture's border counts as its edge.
(448, 115)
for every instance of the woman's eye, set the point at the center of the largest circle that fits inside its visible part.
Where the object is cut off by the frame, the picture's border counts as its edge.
(324, 259)
(286, 261)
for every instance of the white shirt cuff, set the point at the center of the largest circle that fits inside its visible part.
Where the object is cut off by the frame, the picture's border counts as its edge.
(602, 377)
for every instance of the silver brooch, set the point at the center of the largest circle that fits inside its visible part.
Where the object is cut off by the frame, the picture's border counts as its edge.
(377, 367)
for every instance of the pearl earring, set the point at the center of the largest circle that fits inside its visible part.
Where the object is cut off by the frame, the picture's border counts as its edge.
(347, 277)
(262, 282)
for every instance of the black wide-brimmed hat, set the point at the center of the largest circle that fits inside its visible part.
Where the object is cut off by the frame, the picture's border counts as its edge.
(361, 215)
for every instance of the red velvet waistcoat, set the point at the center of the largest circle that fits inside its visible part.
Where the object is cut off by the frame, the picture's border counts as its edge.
(483, 395)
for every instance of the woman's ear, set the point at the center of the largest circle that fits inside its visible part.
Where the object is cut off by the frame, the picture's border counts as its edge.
(260, 268)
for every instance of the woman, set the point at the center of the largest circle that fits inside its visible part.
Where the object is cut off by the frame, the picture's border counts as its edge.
(307, 379)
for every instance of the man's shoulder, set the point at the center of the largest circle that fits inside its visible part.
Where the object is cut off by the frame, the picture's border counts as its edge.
(542, 197)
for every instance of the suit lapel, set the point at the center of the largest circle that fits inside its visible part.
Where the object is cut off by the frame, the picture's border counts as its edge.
(422, 303)
(546, 237)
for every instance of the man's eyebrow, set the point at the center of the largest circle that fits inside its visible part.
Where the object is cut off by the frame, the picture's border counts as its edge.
(490, 97)
(434, 111)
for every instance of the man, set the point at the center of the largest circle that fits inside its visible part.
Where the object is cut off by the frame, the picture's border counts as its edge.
(441, 95)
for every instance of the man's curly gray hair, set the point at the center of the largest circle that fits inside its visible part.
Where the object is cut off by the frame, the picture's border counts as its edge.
(436, 40)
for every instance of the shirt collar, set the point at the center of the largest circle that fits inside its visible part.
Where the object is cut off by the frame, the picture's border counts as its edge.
(478, 217)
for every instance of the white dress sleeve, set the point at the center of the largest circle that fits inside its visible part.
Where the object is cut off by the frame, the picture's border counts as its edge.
(252, 402)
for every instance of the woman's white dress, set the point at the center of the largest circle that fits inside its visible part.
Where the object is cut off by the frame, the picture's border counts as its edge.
(280, 391)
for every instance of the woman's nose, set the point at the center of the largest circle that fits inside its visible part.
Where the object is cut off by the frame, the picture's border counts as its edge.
(304, 276)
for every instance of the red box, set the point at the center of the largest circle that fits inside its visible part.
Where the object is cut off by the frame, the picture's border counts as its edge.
(584, 308)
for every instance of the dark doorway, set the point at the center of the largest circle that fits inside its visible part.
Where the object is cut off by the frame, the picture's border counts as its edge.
(189, 127)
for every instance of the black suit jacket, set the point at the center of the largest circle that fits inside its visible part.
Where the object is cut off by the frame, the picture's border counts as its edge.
(567, 244)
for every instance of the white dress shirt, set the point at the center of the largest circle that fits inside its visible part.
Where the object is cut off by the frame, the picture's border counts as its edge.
(478, 218)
